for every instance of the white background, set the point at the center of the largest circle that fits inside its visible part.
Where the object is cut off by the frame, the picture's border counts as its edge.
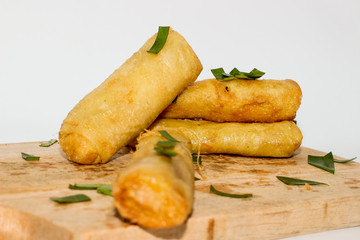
(52, 53)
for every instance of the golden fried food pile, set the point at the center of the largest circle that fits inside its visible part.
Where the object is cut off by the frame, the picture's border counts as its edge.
(156, 190)
(245, 117)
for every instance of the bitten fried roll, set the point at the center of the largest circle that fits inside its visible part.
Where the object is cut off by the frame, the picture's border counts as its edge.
(279, 139)
(156, 190)
(128, 101)
(237, 101)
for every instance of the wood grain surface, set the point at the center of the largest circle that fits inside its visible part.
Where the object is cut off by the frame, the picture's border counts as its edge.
(275, 211)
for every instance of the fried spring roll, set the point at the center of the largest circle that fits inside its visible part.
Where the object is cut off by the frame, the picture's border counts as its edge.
(155, 190)
(279, 139)
(128, 101)
(237, 101)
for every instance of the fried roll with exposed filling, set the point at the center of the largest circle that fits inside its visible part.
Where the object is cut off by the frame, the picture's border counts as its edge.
(156, 190)
(128, 101)
(237, 101)
(279, 139)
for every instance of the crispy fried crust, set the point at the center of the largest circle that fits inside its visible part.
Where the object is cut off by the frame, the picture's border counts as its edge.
(279, 139)
(237, 101)
(156, 191)
(128, 101)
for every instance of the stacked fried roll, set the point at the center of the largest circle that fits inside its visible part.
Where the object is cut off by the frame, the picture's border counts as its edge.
(244, 117)
(156, 190)
(128, 101)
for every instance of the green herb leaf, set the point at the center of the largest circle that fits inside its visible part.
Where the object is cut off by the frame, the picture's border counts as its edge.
(296, 181)
(29, 157)
(324, 162)
(344, 161)
(218, 73)
(105, 189)
(196, 179)
(71, 199)
(195, 161)
(160, 41)
(166, 144)
(165, 152)
(48, 143)
(101, 188)
(166, 135)
(85, 186)
(241, 75)
(255, 73)
(227, 76)
(234, 72)
(217, 192)
(160, 145)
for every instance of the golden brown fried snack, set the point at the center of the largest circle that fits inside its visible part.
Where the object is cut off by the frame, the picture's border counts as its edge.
(279, 139)
(237, 101)
(128, 101)
(155, 190)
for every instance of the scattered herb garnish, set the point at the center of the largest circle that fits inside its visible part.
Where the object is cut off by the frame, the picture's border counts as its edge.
(165, 152)
(296, 181)
(254, 74)
(163, 147)
(217, 192)
(345, 160)
(48, 143)
(220, 74)
(195, 159)
(85, 186)
(166, 144)
(105, 189)
(71, 199)
(29, 157)
(160, 40)
(196, 179)
(166, 135)
(324, 162)
(238, 74)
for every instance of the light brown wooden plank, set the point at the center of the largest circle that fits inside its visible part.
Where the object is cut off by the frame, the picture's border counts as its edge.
(275, 211)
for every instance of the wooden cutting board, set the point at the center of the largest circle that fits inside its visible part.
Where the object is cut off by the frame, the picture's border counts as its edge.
(275, 211)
